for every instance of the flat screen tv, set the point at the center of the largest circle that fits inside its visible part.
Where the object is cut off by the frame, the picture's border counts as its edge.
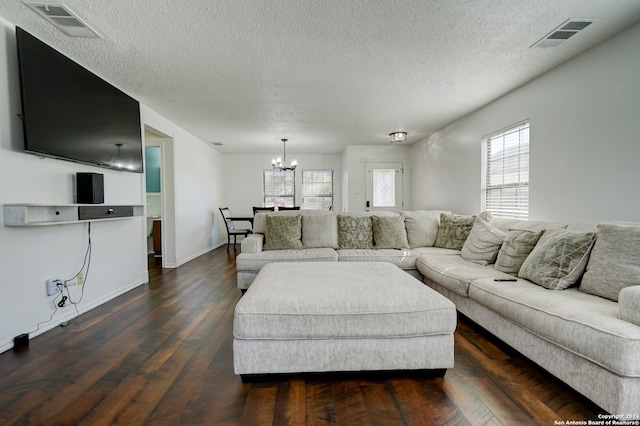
(72, 114)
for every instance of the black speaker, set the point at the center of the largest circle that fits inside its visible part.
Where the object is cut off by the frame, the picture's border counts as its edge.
(89, 188)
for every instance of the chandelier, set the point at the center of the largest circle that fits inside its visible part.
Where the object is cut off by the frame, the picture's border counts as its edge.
(280, 163)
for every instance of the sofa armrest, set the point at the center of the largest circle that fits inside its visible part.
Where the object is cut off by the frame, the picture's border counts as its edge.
(629, 304)
(252, 244)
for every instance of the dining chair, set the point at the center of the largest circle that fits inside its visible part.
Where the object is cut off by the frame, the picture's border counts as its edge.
(231, 228)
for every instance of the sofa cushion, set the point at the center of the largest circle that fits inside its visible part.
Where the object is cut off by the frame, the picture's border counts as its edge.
(253, 262)
(559, 259)
(320, 230)
(389, 232)
(529, 225)
(590, 326)
(483, 243)
(455, 273)
(629, 304)
(403, 259)
(355, 232)
(615, 261)
(517, 246)
(283, 232)
(453, 230)
(422, 227)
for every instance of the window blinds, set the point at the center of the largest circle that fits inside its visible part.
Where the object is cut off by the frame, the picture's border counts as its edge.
(278, 188)
(317, 189)
(506, 172)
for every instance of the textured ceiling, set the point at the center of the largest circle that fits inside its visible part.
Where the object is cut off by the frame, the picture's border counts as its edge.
(324, 73)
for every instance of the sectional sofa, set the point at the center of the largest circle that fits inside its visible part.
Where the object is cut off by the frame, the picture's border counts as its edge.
(565, 295)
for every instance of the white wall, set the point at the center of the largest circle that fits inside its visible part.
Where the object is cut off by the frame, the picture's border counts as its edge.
(29, 256)
(584, 141)
(243, 179)
(355, 158)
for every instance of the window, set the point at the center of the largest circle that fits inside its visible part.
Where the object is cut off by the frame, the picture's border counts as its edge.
(505, 172)
(384, 187)
(317, 189)
(278, 188)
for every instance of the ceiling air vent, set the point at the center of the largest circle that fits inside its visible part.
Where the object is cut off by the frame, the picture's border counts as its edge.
(63, 18)
(567, 29)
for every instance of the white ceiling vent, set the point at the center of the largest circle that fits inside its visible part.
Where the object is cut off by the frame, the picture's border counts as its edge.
(567, 29)
(63, 18)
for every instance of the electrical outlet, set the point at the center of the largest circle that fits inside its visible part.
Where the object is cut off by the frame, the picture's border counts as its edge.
(80, 278)
(52, 286)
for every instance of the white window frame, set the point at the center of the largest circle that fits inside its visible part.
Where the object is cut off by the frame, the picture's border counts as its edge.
(505, 172)
(273, 198)
(312, 191)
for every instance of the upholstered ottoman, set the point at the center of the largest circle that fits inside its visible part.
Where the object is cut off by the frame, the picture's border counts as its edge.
(341, 316)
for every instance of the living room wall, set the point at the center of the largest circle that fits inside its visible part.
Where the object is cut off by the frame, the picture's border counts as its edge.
(29, 256)
(583, 140)
(243, 178)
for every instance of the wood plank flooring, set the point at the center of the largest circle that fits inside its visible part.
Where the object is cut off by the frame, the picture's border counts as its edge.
(162, 355)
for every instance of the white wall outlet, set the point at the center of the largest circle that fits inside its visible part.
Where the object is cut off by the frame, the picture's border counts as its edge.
(80, 278)
(52, 286)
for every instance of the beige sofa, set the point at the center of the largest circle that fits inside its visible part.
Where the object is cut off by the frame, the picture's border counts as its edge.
(587, 335)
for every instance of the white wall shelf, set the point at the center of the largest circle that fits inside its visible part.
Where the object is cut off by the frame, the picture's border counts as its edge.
(60, 214)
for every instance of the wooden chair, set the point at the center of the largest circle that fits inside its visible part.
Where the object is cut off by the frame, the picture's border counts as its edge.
(262, 210)
(231, 228)
(288, 208)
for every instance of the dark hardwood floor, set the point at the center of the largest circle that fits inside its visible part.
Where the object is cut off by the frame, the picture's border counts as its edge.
(162, 355)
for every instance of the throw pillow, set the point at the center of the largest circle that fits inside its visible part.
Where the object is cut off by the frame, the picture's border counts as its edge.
(320, 230)
(516, 247)
(283, 232)
(355, 232)
(559, 259)
(422, 227)
(453, 231)
(483, 243)
(389, 232)
(615, 261)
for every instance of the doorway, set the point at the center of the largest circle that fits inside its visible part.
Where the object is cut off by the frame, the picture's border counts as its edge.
(160, 210)
(383, 186)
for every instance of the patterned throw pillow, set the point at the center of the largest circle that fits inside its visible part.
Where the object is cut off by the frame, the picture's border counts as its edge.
(559, 259)
(615, 261)
(355, 232)
(389, 232)
(453, 231)
(483, 243)
(283, 232)
(516, 247)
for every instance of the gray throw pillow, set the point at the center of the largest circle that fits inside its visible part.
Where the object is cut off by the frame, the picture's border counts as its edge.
(355, 232)
(389, 232)
(614, 263)
(559, 259)
(516, 247)
(483, 243)
(283, 232)
(453, 231)
(320, 230)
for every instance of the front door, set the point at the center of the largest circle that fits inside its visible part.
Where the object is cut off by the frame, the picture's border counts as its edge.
(383, 184)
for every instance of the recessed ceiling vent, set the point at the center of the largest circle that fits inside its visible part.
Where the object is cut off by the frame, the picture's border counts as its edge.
(567, 29)
(63, 18)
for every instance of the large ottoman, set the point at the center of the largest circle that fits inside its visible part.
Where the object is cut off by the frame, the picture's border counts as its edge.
(341, 316)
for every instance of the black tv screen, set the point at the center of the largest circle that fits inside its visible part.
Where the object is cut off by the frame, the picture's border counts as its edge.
(72, 114)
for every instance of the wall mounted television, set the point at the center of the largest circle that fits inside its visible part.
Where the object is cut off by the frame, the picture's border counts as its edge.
(71, 114)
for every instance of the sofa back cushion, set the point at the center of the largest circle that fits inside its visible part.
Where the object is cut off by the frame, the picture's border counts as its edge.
(422, 227)
(320, 230)
(283, 232)
(355, 231)
(559, 259)
(615, 261)
(389, 232)
(530, 225)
